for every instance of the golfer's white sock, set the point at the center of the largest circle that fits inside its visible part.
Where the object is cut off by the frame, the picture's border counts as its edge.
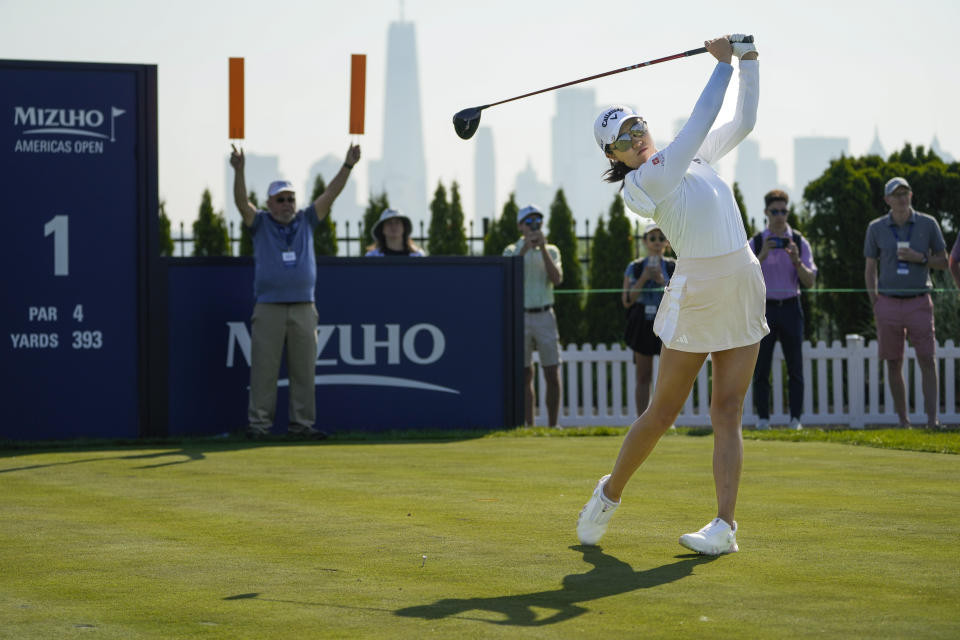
(607, 501)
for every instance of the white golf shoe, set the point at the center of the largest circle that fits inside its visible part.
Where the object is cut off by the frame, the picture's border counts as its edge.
(716, 538)
(595, 515)
(795, 424)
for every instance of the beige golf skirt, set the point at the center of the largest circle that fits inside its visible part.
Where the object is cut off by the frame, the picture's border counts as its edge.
(714, 304)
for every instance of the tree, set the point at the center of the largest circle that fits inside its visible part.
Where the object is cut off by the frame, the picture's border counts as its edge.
(246, 235)
(748, 223)
(456, 234)
(569, 306)
(439, 219)
(166, 240)
(210, 237)
(610, 254)
(375, 207)
(503, 231)
(325, 233)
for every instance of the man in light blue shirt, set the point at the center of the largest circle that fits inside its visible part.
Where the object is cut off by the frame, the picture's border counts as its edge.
(285, 277)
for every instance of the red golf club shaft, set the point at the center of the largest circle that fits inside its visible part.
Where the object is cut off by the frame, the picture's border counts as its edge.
(691, 52)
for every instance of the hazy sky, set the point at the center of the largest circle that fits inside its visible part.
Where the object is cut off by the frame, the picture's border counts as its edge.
(835, 68)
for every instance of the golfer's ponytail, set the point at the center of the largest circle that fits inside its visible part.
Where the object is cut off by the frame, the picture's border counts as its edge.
(617, 172)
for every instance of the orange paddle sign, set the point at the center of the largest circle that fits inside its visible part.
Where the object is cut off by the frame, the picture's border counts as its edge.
(358, 89)
(236, 98)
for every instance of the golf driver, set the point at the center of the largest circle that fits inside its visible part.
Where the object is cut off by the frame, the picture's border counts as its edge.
(467, 121)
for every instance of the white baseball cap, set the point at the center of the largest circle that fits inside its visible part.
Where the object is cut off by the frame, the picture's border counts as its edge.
(606, 128)
(894, 183)
(278, 186)
(530, 209)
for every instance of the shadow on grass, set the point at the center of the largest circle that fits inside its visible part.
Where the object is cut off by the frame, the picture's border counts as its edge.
(609, 577)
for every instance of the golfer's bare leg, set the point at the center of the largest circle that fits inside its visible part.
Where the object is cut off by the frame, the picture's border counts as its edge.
(678, 370)
(732, 372)
(644, 371)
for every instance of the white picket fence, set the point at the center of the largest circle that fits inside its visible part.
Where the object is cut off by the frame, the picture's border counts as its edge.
(844, 385)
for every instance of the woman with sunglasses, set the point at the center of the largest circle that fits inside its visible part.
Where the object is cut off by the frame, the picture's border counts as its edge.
(643, 284)
(714, 304)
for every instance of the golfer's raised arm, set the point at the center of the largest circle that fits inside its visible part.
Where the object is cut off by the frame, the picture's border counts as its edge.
(725, 138)
(323, 203)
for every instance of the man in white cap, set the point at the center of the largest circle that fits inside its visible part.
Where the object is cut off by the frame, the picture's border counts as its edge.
(903, 246)
(541, 272)
(285, 276)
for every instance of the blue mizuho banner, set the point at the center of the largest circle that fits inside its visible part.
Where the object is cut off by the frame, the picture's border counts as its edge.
(402, 344)
(78, 174)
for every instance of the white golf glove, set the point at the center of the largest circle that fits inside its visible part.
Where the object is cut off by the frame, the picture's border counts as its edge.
(739, 46)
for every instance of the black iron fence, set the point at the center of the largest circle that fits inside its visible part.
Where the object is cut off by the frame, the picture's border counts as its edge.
(351, 244)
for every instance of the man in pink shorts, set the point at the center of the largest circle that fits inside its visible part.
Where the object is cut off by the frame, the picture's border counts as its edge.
(903, 246)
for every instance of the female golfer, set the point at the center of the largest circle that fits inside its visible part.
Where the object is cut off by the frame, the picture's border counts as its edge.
(714, 303)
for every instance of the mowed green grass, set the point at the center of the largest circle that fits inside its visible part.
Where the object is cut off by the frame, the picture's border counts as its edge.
(473, 539)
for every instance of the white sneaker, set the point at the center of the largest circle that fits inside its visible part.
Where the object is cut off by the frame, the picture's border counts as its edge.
(795, 424)
(593, 518)
(763, 424)
(714, 539)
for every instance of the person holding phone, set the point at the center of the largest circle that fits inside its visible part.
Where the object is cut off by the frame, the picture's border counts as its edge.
(643, 284)
(787, 263)
(541, 273)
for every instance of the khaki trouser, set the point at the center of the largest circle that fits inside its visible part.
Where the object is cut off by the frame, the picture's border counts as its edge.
(273, 325)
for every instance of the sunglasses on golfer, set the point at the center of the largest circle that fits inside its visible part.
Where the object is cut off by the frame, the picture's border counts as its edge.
(626, 140)
(282, 199)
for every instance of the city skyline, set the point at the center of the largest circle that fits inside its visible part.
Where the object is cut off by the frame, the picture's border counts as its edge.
(815, 77)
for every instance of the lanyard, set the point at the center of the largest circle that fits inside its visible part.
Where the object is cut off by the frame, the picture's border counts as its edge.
(896, 235)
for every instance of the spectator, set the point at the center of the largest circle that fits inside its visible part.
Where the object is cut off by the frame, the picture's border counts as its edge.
(541, 273)
(643, 284)
(285, 277)
(391, 236)
(955, 261)
(903, 246)
(787, 263)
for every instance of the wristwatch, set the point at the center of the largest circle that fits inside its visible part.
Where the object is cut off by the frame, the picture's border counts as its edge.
(924, 259)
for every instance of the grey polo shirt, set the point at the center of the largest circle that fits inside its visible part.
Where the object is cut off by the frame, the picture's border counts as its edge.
(924, 235)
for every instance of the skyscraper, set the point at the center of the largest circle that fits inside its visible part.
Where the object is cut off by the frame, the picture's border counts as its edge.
(812, 156)
(401, 170)
(578, 162)
(940, 151)
(876, 149)
(529, 190)
(484, 179)
(755, 176)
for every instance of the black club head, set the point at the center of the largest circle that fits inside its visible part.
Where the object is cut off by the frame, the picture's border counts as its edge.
(466, 122)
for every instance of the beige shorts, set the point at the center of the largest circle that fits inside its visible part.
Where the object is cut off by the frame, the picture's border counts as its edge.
(714, 304)
(540, 333)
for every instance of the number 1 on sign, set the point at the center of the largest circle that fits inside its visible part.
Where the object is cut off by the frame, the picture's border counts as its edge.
(58, 227)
